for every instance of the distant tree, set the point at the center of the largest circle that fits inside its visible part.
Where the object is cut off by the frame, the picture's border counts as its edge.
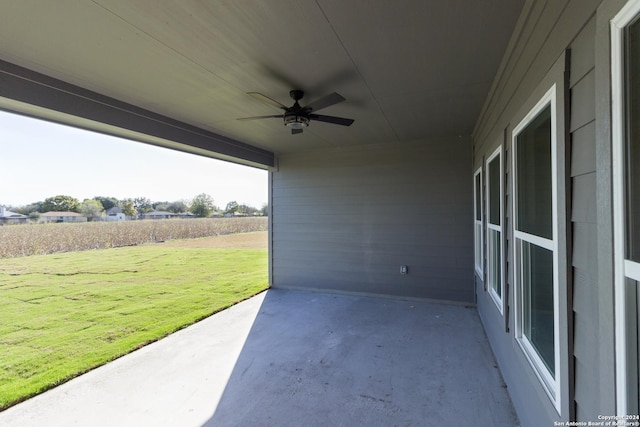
(28, 209)
(34, 216)
(107, 202)
(177, 207)
(247, 210)
(160, 206)
(92, 209)
(202, 205)
(60, 203)
(129, 208)
(265, 210)
(143, 204)
(232, 207)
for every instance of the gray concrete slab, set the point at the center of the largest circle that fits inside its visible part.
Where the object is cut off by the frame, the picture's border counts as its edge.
(291, 358)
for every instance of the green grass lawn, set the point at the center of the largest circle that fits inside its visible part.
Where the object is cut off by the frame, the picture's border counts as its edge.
(64, 314)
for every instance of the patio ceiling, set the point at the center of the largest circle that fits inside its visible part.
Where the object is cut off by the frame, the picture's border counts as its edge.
(409, 69)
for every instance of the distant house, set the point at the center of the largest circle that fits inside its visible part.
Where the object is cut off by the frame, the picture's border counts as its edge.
(62, 217)
(8, 217)
(158, 215)
(115, 214)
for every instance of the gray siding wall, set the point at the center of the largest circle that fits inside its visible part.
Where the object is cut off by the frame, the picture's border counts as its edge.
(584, 225)
(346, 219)
(548, 29)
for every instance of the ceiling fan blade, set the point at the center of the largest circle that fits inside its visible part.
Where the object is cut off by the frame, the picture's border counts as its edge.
(266, 99)
(295, 131)
(261, 117)
(330, 119)
(324, 102)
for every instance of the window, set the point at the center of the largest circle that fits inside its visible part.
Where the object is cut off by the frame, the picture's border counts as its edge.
(625, 97)
(535, 241)
(477, 220)
(632, 142)
(494, 227)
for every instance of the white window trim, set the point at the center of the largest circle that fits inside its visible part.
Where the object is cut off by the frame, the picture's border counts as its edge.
(622, 268)
(494, 295)
(536, 240)
(550, 384)
(478, 248)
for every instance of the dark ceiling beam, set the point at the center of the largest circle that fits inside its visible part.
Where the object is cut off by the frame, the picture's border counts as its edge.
(122, 119)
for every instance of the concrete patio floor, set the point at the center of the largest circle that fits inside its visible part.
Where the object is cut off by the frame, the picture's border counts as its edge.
(293, 358)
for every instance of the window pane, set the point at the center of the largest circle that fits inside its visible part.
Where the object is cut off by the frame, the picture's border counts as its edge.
(478, 197)
(478, 247)
(633, 142)
(495, 261)
(537, 289)
(533, 169)
(494, 190)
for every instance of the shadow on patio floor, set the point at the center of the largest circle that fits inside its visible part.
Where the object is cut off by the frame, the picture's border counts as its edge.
(319, 359)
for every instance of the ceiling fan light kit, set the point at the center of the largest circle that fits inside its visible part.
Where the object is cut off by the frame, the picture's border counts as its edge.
(296, 117)
(296, 122)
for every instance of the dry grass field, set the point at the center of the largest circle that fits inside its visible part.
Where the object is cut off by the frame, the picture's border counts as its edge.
(257, 240)
(41, 239)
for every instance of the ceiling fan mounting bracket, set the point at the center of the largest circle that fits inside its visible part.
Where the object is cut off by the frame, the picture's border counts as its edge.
(296, 94)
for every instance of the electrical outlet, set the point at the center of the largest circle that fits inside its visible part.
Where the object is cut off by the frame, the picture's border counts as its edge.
(404, 269)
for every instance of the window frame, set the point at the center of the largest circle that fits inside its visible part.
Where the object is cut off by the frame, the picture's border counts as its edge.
(498, 299)
(478, 231)
(623, 267)
(550, 382)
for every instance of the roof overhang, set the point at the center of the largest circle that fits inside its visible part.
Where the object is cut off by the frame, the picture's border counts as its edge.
(34, 94)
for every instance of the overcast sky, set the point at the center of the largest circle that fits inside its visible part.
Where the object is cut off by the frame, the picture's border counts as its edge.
(39, 159)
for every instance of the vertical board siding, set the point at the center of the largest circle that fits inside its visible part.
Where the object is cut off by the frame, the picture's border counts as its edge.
(550, 28)
(347, 219)
(584, 224)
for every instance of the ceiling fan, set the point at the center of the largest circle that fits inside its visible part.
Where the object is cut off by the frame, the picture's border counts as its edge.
(296, 117)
